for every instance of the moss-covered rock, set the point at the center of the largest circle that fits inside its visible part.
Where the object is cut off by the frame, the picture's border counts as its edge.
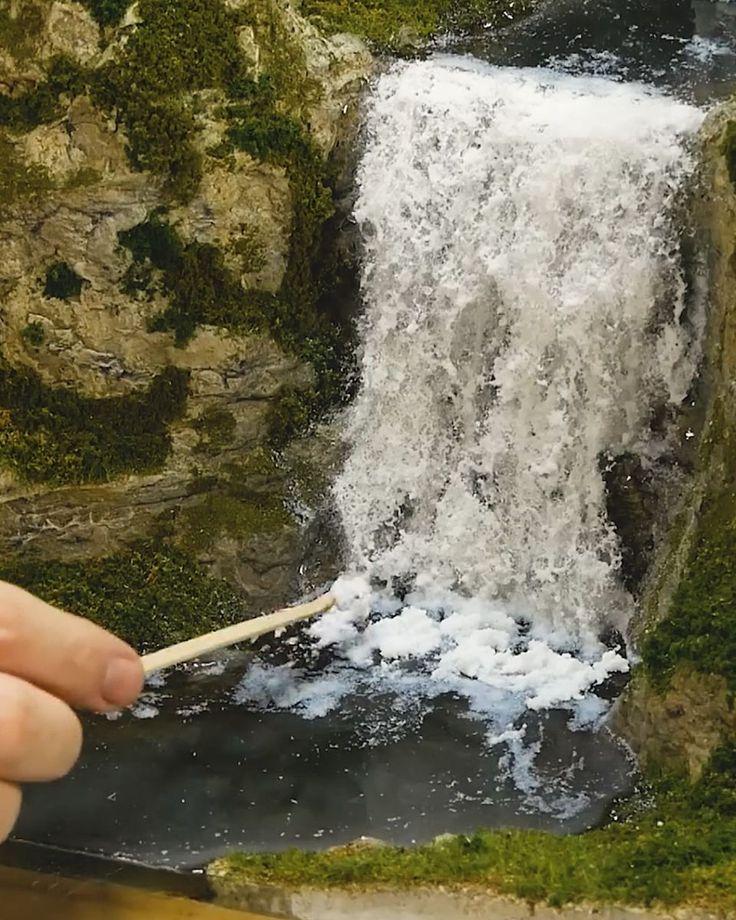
(21, 183)
(152, 594)
(65, 79)
(165, 177)
(680, 705)
(53, 435)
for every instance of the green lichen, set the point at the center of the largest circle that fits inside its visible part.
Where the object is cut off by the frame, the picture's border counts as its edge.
(671, 844)
(220, 514)
(34, 334)
(216, 428)
(392, 24)
(62, 282)
(21, 184)
(54, 435)
(152, 594)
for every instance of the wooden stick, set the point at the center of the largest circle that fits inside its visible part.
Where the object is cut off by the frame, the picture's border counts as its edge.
(231, 635)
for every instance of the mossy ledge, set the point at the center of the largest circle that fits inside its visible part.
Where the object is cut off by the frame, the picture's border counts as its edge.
(392, 24)
(673, 844)
(687, 632)
(152, 594)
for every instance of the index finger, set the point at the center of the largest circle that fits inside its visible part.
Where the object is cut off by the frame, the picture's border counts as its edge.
(64, 654)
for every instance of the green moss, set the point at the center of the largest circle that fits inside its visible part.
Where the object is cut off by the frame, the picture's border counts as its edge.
(62, 282)
(21, 184)
(199, 285)
(54, 435)
(65, 79)
(390, 23)
(728, 150)
(177, 49)
(20, 28)
(249, 500)
(251, 249)
(290, 415)
(268, 136)
(671, 844)
(700, 630)
(295, 318)
(283, 59)
(220, 514)
(34, 333)
(151, 595)
(107, 12)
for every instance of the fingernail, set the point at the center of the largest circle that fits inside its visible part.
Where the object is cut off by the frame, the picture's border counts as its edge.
(123, 681)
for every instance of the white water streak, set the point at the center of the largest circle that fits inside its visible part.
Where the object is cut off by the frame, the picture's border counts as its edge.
(523, 315)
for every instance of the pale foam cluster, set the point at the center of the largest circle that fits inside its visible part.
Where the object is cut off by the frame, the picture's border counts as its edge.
(458, 637)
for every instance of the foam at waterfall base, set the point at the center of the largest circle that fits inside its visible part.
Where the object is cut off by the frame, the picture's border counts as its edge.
(391, 662)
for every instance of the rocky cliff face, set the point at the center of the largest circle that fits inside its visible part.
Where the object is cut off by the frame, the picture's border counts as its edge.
(164, 188)
(679, 708)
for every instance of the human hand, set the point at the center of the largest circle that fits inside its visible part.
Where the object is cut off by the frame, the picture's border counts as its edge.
(50, 662)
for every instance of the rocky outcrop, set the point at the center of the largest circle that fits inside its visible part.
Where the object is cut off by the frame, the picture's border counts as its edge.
(81, 311)
(679, 708)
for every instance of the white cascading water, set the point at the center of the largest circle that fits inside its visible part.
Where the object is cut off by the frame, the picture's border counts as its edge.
(523, 315)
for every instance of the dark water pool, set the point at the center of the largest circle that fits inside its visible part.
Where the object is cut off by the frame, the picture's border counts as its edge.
(206, 775)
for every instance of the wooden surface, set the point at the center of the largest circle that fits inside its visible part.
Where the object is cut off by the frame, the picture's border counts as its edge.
(231, 635)
(30, 896)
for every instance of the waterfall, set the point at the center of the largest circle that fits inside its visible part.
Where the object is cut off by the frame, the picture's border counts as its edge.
(524, 317)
